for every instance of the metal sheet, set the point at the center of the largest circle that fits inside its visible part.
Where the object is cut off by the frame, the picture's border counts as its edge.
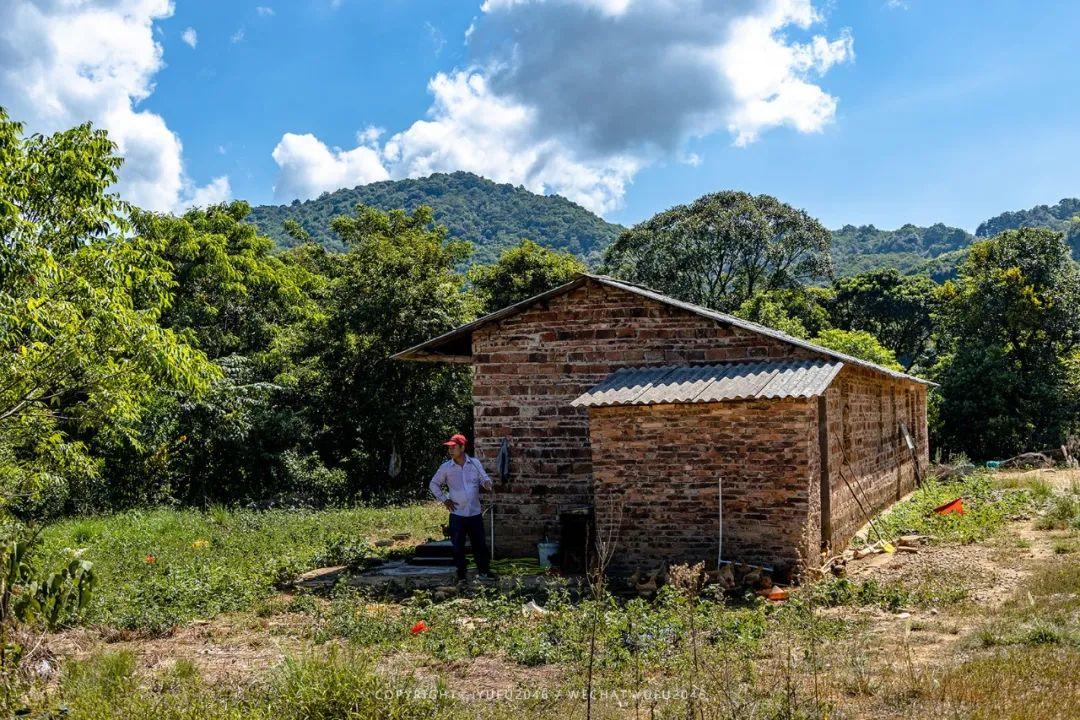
(711, 383)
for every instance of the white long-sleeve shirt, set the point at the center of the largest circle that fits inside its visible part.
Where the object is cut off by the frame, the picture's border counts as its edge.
(463, 483)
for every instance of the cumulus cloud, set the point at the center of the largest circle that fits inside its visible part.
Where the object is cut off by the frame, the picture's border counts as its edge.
(190, 37)
(308, 167)
(576, 96)
(63, 63)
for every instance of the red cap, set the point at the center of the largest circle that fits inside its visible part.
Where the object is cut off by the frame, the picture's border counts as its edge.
(457, 439)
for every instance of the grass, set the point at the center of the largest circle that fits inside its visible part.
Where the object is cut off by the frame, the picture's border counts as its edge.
(161, 567)
(986, 510)
(680, 655)
(336, 685)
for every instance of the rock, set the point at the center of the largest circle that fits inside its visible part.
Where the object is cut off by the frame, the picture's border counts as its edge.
(910, 540)
(906, 549)
(402, 536)
(531, 609)
(320, 577)
(383, 543)
(903, 616)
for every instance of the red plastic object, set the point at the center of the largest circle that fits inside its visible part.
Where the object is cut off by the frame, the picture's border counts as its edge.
(419, 628)
(953, 506)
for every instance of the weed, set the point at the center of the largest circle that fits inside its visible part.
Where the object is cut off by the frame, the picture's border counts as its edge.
(986, 509)
(1062, 513)
(214, 562)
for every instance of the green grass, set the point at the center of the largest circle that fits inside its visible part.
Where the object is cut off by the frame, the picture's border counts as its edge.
(986, 510)
(492, 623)
(157, 568)
(327, 687)
(1062, 513)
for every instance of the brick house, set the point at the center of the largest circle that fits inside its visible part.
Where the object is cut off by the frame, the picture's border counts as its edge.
(694, 435)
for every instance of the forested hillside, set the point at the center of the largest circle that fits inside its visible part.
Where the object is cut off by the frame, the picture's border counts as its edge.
(496, 216)
(909, 249)
(490, 215)
(1058, 217)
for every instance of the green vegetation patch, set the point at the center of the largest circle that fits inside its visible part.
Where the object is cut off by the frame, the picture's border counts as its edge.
(986, 509)
(161, 567)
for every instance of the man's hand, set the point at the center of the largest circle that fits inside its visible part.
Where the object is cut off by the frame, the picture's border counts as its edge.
(450, 505)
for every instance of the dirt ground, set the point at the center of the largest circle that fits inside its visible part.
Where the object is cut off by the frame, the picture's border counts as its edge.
(233, 650)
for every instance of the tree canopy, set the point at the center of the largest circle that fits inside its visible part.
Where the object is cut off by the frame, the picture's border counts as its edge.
(1011, 328)
(521, 272)
(81, 301)
(723, 249)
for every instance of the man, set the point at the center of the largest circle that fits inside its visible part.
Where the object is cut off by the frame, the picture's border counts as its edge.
(463, 477)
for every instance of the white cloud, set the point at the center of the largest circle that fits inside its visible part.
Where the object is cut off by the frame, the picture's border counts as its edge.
(217, 191)
(576, 96)
(190, 37)
(308, 167)
(64, 63)
(237, 37)
(264, 11)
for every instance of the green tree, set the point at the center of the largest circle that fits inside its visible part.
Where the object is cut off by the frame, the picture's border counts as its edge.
(896, 309)
(723, 249)
(1011, 326)
(522, 271)
(80, 301)
(800, 312)
(395, 287)
(241, 304)
(858, 343)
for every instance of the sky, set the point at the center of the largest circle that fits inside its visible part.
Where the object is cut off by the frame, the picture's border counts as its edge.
(860, 111)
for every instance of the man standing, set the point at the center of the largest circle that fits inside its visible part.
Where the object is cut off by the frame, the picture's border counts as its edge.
(463, 477)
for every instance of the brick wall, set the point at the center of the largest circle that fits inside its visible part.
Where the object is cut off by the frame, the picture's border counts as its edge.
(866, 447)
(656, 471)
(529, 367)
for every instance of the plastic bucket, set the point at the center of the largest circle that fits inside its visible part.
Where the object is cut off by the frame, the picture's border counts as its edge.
(545, 552)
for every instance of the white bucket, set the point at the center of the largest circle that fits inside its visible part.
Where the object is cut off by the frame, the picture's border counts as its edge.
(546, 550)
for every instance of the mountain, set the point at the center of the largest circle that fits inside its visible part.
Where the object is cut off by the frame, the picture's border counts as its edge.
(494, 216)
(938, 250)
(490, 215)
(1056, 217)
(909, 249)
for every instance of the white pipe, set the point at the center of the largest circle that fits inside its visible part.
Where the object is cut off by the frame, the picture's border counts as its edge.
(719, 520)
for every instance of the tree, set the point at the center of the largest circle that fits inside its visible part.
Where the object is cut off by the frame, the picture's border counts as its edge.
(80, 301)
(860, 344)
(1011, 326)
(522, 271)
(240, 304)
(800, 312)
(723, 249)
(395, 287)
(896, 309)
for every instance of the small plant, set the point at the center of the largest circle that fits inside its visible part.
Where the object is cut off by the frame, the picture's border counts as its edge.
(1063, 513)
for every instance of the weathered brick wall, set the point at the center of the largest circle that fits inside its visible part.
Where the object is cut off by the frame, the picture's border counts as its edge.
(657, 470)
(867, 448)
(529, 367)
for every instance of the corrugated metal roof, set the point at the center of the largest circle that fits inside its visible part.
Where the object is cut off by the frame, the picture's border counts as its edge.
(435, 349)
(711, 383)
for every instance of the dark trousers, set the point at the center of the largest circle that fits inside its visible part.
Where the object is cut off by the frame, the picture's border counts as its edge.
(473, 529)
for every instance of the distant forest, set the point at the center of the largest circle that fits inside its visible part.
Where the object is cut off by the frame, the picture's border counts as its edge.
(494, 217)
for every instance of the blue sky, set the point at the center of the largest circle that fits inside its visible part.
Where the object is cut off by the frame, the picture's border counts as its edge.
(860, 112)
